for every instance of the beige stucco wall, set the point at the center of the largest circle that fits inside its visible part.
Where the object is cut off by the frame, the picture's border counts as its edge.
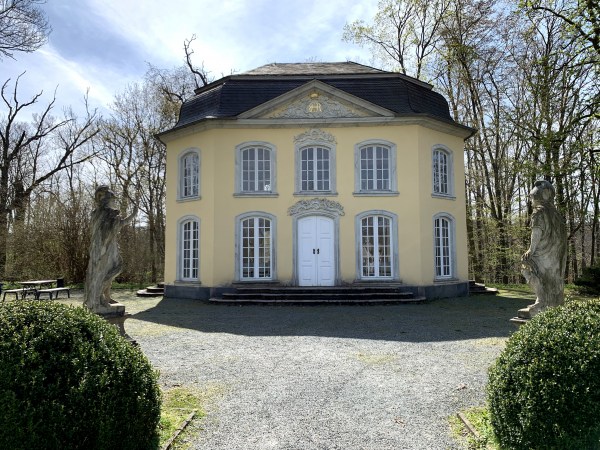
(217, 208)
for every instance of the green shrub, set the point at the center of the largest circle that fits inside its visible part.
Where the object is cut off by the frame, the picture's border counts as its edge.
(68, 380)
(589, 282)
(544, 389)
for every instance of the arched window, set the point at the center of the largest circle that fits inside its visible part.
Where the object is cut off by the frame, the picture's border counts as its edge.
(315, 163)
(315, 167)
(442, 172)
(443, 243)
(255, 169)
(377, 253)
(375, 168)
(255, 247)
(189, 251)
(189, 175)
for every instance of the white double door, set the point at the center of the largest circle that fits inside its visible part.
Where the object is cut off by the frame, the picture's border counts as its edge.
(316, 251)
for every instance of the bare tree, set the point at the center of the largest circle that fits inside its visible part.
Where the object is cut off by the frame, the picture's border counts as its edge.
(403, 33)
(32, 153)
(23, 26)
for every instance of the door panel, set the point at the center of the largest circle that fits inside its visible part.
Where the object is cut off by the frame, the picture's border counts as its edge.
(316, 248)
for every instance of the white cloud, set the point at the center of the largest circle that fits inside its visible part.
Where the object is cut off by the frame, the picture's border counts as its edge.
(104, 44)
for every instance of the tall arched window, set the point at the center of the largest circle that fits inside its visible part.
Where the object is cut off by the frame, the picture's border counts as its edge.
(443, 238)
(377, 253)
(442, 172)
(189, 175)
(255, 246)
(189, 253)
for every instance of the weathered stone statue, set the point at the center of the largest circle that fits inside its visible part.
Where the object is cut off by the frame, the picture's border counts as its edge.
(105, 259)
(543, 264)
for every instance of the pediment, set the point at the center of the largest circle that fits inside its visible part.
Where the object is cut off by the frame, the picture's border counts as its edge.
(316, 100)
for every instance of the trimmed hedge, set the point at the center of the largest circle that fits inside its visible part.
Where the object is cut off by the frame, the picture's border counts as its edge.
(544, 389)
(69, 380)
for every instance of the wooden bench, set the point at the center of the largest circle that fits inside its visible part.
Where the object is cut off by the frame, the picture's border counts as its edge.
(52, 291)
(20, 292)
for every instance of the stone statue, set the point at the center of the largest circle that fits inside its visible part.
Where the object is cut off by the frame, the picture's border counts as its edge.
(105, 261)
(543, 264)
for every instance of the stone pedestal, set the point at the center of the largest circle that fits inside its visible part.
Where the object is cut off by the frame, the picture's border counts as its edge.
(116, 316)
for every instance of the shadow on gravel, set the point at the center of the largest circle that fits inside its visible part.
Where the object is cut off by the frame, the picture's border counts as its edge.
(438, 320)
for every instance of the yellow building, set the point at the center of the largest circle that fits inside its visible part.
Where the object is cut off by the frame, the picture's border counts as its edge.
(316, 174)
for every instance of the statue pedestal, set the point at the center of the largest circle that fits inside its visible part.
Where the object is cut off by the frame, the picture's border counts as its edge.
(115, 314)
(524, 315)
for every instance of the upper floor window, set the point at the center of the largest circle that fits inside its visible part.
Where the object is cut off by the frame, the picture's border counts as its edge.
(189, 175)
(442, 172)
(315, 170)
(255, 169)
(375, 168)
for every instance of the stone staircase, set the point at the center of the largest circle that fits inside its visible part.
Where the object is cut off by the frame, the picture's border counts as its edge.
(337, 295)
(152, 291)
(480, 289)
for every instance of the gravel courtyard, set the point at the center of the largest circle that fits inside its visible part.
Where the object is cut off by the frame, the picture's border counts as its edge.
(326, 377)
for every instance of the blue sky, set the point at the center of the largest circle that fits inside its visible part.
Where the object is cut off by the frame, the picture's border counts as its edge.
(103, 45)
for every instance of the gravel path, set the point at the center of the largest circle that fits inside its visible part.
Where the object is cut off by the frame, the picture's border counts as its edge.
(326, 377)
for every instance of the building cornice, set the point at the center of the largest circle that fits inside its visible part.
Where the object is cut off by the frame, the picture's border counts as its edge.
(426, 121)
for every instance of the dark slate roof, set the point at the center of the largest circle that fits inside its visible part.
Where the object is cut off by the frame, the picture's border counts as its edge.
(312, 69)
(235, 94)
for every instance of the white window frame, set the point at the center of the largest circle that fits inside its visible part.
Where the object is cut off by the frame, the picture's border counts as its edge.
(392, 188)
(184, 157)
(239, 170)
(442, 176)
(239, 246)
(183, 273)
(393, 245)
(444, 247)
(331, 170)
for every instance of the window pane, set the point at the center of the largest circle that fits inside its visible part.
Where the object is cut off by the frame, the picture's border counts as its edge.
(190, 166)
(440, 172)
(256, 169)
(443, 247)
(375, 168)
(190, 250)
(256, 248)
(315, 169)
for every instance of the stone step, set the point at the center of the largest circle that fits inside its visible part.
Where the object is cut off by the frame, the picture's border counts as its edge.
(156, 289)
(481, 289)
(152, 291)
(312, 301)
(286, 295)
(319, 294)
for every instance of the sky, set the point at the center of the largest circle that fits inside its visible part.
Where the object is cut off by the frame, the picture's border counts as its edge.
(101, 46)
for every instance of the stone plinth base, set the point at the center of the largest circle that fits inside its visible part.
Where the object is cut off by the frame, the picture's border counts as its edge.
(519, 321)
(115, 314)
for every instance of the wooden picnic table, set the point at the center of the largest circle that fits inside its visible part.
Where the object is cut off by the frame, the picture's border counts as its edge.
(37, 284)
(37, 288)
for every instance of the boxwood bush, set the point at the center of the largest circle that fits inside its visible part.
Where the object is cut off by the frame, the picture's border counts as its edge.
(544, 389)
(69, 380)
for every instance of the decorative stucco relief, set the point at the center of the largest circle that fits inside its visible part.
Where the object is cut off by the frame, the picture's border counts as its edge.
(317, 106)
(314, 134)
(316, 205)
